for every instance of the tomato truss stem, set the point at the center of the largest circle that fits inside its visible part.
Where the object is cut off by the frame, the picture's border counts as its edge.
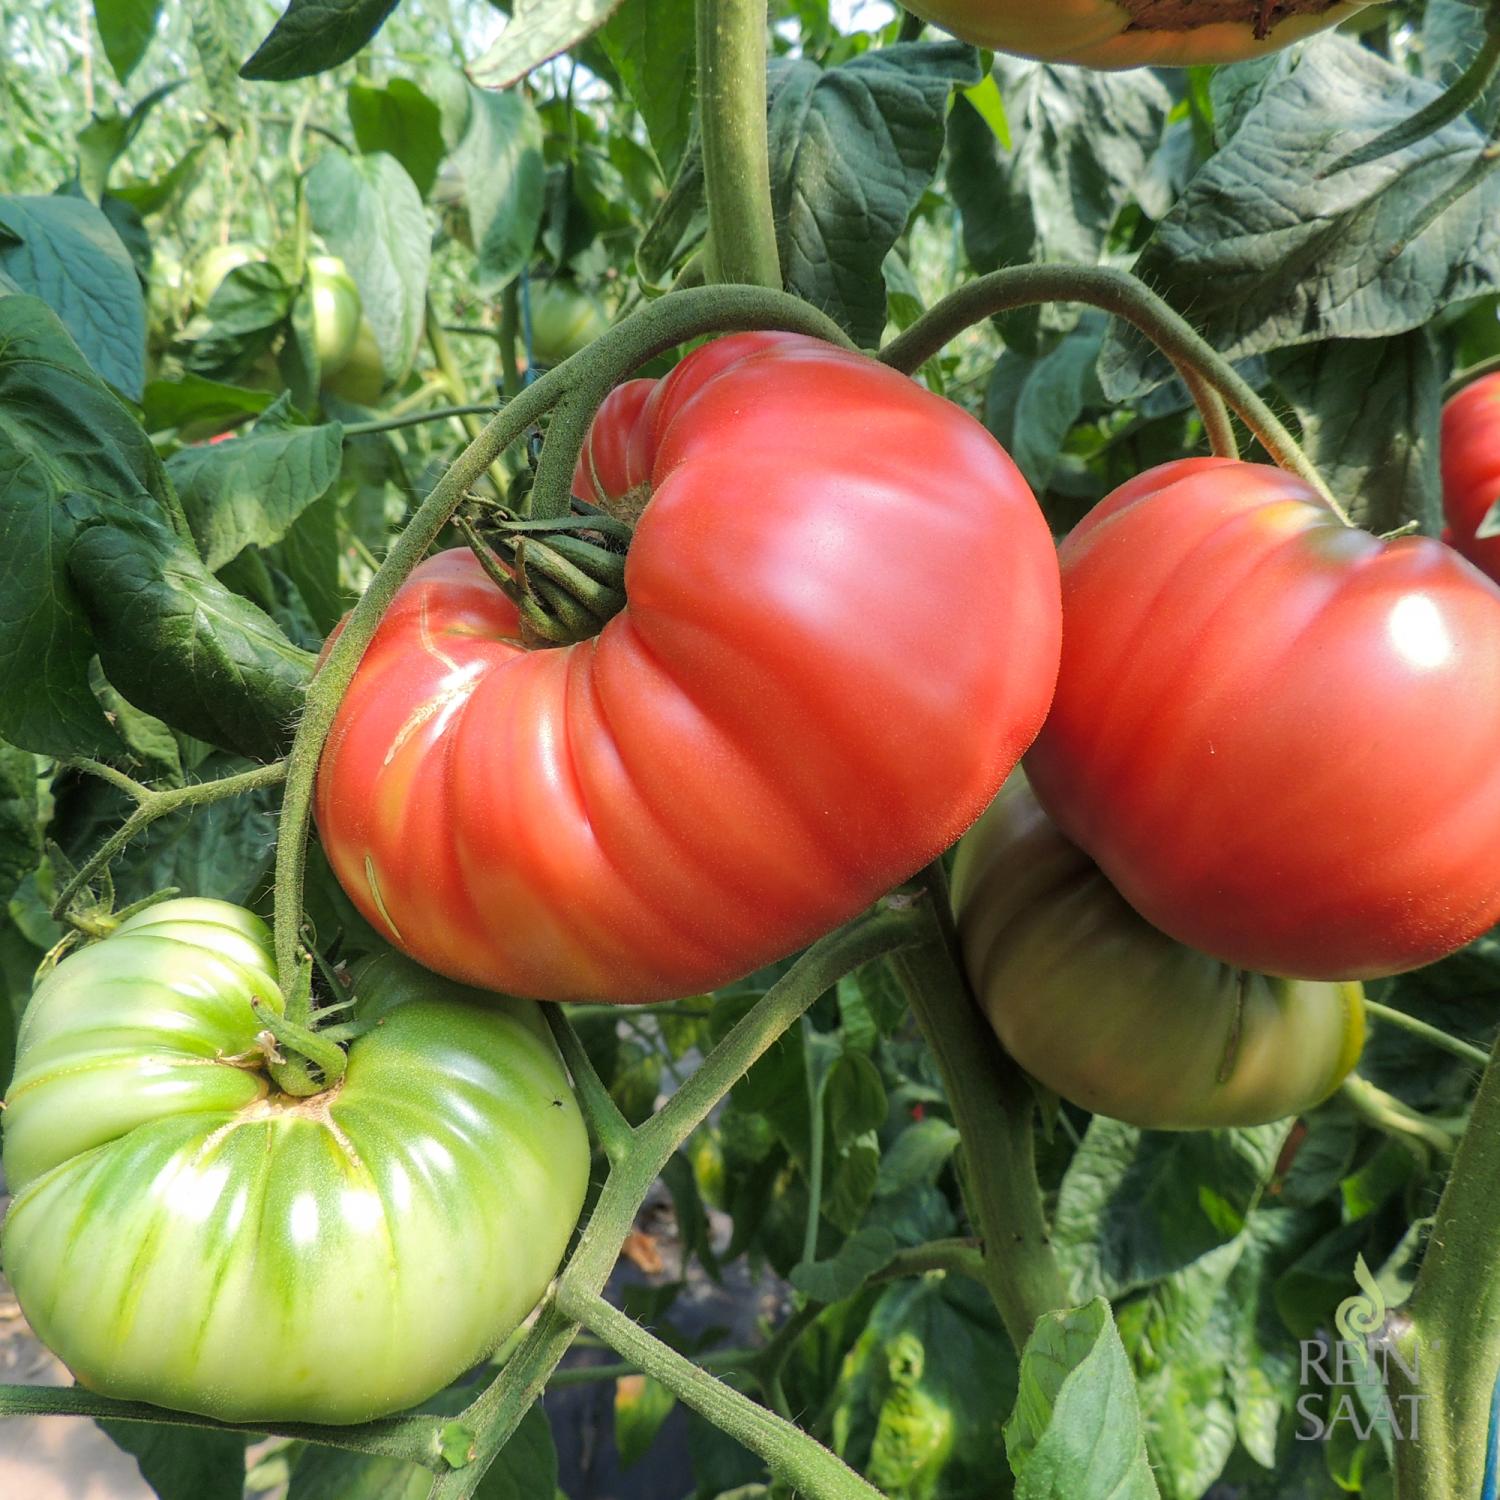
(1210, 377)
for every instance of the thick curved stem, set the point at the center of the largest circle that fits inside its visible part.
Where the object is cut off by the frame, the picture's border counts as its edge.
(652, 330)
(1120, 294)
(992, 1104)
(1449, 1331)
(790, 1453)
(493, 1417)
(741, 244)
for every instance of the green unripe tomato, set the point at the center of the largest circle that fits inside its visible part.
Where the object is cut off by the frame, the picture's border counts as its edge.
(1117, 1017)
(563, 321)
(217, 264)
(361, 377)
(185, 1234)
(336, 309)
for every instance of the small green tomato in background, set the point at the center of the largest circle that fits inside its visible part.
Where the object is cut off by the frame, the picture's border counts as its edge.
(183, 1233)
(337, 311)
(564, 320)
(1117, 1017)
(217, 264)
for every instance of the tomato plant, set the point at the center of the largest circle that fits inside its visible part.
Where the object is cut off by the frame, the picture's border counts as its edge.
(624, 819)
(618, 516)
(184, 1233)
(1115, 1016)
(1133, 33)
(1471, 472)
(1231, 650)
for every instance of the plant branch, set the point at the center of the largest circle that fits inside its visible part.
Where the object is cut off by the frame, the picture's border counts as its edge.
(1434, 1035)
(741, 243)
(793, 1456)
(497, 1411)
(415, 418)
(992, 1104)
(1452, 1322)
(413, 1439)
(1120, 294)
(610, 1127)
(152, 805)
(653, 329)
(1387, 1114)
(1457, 382)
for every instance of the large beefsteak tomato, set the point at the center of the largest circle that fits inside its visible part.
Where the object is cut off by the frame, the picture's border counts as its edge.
(842, 631)
(1114, 1015)
(1276, 733)
(1471, 471)
(183, 1233)
(1134, 33)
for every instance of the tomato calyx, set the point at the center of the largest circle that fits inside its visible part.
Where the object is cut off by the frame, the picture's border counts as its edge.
(301, 1059)
(566, 577)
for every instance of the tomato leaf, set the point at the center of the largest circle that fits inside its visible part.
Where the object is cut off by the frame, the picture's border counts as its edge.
(538, 30)
(53, 404)
(20, 832)
(860, 1256)
(370, 214)
(126, 28)
(1265, 253)
(248, 492)
(402, 120)
(1369, 411)
(1076, 1428)
(184, 1463)
(641, 1406)
(316, 35)
(195, 398)
(65, 251)
(496, 145)
(652, 46)
(852, 151)
(180, 645)
(1136, 1205)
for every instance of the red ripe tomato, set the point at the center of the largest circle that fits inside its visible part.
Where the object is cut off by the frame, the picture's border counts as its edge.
(609, 468)
(842, 630)
(1471, 470)
(1277, 734)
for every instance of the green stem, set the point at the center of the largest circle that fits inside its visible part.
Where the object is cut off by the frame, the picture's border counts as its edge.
(815, 1089)
(1452, 1322)
(1448, 106)
(1432, 1034)
(611, 1128)
(992, 1103)
(493, 1417)
(652, 330)
(415, 418)
(412, 1439)
(1467, 377)
(1389, 1115)
(152, 805)
(741, 244)
(801, 1461)
(510, 329)
(1120, 294)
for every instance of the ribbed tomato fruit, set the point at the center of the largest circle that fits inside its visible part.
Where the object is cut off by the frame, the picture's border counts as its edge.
(841, 632)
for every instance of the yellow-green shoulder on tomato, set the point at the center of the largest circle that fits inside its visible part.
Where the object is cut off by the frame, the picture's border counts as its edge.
(1115, 1016)
(1135, 33)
